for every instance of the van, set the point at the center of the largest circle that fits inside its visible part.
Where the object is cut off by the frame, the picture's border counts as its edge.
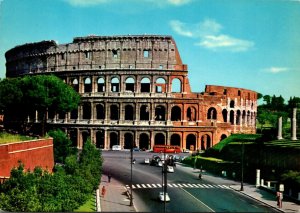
(116, 147)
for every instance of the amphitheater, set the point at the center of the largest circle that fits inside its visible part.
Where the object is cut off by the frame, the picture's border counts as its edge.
(134, 90)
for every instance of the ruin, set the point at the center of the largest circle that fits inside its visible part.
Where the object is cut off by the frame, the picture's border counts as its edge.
(134, 90)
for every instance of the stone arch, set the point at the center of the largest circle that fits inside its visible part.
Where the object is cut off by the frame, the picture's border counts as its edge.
(145, 85)
(205, 142)
(160, 139)
(175, 140)
(128, 141)
(100, 111)
(212, 113)
(191, 114)
(114, 112)
(176, 113)
(224, 114)
(223, 136)
(87, 84)
(144, 113)
(144, 141)
(74, 114)
(86, 111)
(191, 142)
(244, 117)
(160, 85)
(248, 117)
(100, 139)
(129, 112)
(160, 113)
(129, 84)
(73, 137)
(231, 104)
(113, 139)
(115, 84)
(101, 84)
(75, 84)
(238, 117)
(231, 117)
(176, 85)
(85, 135)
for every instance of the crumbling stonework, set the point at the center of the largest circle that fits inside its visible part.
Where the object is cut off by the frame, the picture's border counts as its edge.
(135, 89)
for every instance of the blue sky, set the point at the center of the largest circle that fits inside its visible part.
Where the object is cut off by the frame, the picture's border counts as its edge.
(252, 44)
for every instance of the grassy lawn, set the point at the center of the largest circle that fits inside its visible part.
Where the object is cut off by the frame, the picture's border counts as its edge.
(8, 138)
(89, 206)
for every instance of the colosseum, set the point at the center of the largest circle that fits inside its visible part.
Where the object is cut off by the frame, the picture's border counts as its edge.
(134, 90)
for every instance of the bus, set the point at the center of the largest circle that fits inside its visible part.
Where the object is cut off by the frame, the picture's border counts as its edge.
(166, 149)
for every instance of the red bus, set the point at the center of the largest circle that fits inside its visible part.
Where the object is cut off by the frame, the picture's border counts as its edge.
(166, 149)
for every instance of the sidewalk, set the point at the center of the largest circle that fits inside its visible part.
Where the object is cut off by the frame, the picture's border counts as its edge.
(116, 198)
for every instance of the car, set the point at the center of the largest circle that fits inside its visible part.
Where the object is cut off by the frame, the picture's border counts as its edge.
(154, 160)
(116, 147)
(162, 196)
(147, 161)
(186, 151)
(136, 149)
(170, 169)
(159, 163)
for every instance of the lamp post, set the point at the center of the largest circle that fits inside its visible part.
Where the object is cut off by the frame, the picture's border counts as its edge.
(242, 176)
(131, 159)
(165, 179)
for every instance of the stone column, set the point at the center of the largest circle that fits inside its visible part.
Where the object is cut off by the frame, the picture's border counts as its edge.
(294, 125)
(279, 136)
(257, 177)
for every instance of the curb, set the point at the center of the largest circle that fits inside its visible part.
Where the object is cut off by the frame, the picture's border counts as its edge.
(128, 195)
(255, 198)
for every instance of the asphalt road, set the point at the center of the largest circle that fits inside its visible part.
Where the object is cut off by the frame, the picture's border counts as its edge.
(187, 192)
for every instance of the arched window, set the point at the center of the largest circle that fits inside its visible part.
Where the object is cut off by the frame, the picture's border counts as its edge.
(176, 85)
(144, 113)
(175, 140)
(128, 141)
(231, 104)
(191, 114)
(212, 113)
(224, 113)
(87, 85)
(100, 139)
(231, 117)
(159, 139)
(205, 142)
(129, 115)
(75, 85)
(100, 111)
(114, 112)
(145, 85)
(144, 141)
(238, 117)
(114, 139)
(115, 85)
(101, 85)
(160, 86)
(191, 142)
(86, 111)
(160, 113)
(129, 85)
(176, 114)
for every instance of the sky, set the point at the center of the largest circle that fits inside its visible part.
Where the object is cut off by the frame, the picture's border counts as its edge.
(251, 44)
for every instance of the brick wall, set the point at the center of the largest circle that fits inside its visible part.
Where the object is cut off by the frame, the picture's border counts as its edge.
(31, 153)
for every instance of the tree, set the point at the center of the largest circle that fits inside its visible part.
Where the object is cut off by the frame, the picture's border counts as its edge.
(36, 93)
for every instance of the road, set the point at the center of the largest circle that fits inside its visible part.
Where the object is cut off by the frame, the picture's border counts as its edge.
(187, 192)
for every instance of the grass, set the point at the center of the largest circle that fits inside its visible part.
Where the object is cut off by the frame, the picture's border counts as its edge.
(89, 205)
(9, 138)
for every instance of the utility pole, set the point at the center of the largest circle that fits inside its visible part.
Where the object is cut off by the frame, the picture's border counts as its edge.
(242, 177)
(131, 159)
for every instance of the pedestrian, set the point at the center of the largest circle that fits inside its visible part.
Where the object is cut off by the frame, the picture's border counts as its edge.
(278, 198)
(103, 191)
(109, 177)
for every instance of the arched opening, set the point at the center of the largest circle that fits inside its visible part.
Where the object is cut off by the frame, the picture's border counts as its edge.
(248, 117)
(144, 113)
(176, 114)
(244, 117)
(129, 115)
(191, 114)
(145, 85)
(101, 85)
(223, 136)
(175, 140)
(129, 85)
(160, 85)
(160, 113)
(205, 142)
(73, 137)
(87, 85)
(74, 114)
(115, 85)
(85, 135)
(86, 111)
(100, 139)
(75, 85)
(191, 142)
(212, 113)
(114, 139)
(224, 113)
(114, 112)
(238, 117)
(128, 141)
(231, 117)
(231, 104)
(144, 141)
(100, 111)
(159, 139)
(176, 85)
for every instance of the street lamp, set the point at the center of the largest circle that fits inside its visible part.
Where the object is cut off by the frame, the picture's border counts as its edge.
(131, 159)
(242, 176)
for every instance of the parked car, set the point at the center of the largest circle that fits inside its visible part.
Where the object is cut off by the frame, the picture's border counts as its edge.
(147, 161)
(116, 147)
(136, 149)
(170, 169)
(154, 160)
(162, 196)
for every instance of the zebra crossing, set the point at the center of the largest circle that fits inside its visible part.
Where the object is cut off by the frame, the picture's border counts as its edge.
(178, 185)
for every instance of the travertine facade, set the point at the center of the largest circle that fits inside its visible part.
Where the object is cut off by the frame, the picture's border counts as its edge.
(135, 89)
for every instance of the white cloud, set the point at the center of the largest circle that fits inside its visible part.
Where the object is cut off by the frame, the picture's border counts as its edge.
(85, 2)
(225, 43)
(178, 2)
(209, 34)
(276, 69)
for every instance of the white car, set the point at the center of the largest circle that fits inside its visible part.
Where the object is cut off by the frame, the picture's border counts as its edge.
(116, 147)
(160, 163)
(147, 161)
(161, 197)
(170, 169)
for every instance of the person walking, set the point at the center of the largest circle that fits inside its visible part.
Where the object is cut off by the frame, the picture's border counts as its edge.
(109, 177)
(103, 191)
